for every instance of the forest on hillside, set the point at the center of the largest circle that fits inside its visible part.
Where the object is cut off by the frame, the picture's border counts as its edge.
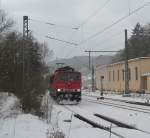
(138, 43)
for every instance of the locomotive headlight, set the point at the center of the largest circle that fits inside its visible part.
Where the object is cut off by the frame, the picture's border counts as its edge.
(78, 90)
(58, 90)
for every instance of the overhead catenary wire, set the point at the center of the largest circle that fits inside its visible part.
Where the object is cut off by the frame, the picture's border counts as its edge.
(103, 41)
(129, 6)
(107, 40)
(111, 44)
(103, 51)
(54, 25)
(56, 39)
(116, 44)
(114, 23)
(100, 51)
(94, 14)
(106, 28)
(103, 30)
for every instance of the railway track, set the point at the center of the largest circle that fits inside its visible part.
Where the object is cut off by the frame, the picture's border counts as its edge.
(121, 100)
(118, 105)
(78, 111)
(94, 123)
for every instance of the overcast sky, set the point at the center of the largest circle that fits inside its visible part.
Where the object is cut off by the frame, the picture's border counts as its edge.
(67, 14)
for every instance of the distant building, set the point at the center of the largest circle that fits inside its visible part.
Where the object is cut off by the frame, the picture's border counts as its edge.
(114, 75)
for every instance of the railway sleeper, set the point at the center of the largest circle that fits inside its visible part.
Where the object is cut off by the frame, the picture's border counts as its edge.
(116, 122)
(96, 125)
(120, 124)
(138, 103)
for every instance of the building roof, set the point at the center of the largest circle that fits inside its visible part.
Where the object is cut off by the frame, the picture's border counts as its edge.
(146, 74)
(122, 62)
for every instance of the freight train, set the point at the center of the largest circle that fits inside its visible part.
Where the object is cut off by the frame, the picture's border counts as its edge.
(65, 84)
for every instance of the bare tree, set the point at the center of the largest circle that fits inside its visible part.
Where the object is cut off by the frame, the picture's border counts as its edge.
(5, 22)
(45, 52)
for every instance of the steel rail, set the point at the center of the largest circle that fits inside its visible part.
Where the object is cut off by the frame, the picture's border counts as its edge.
(92, 123)
(117, 106)
(123, 101)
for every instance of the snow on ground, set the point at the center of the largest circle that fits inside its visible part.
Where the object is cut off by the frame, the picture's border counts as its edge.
(23, 126)
(9, 106)
(77, 128)
(14, 124)
(134, 97)
(139, 120)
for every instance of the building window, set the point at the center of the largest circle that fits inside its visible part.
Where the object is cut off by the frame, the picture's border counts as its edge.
(118, 75)
(129, 74)
(113, 75)
(123, 74)
(109, 75)
(136, 73)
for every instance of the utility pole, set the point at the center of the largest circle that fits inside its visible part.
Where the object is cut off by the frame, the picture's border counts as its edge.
(93, 80)
(95, 51)
(126, 65)
(25, 37)
(89, 52)
(89, 60)
(25, 27)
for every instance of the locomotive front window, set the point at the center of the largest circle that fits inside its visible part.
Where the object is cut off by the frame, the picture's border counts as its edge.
(73, 77)
(69, 76)
(63, 77)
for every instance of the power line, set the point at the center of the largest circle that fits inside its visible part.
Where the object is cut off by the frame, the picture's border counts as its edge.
(53, 38)
(0, 4)
(129, 6)
(53, 24)
(101, 51)
(95, 12)
(121, 43)
(103, 40)
(118, 34)
(114, 23)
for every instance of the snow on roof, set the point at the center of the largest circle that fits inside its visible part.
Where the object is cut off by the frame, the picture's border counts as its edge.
(122, 62)
(146, 74)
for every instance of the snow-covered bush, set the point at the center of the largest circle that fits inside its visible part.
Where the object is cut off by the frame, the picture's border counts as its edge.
(56, 134)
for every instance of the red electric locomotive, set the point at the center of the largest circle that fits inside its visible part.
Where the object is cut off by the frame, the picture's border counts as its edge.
(65, 84)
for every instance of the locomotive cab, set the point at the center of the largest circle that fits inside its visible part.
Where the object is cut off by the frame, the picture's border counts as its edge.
(65, 84)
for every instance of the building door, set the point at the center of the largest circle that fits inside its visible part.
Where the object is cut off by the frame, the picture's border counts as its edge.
(144, 82)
